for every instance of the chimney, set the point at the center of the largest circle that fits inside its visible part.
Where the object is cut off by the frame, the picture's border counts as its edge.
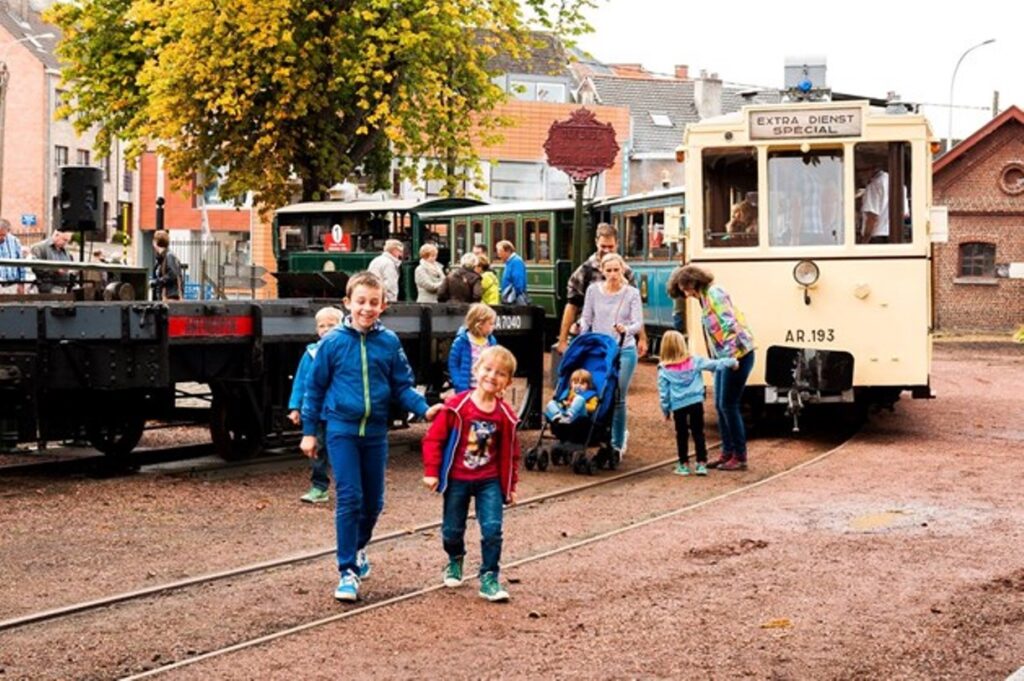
(682, 72)
(707, 95)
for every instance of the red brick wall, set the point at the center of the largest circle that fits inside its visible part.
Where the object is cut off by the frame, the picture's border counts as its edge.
(981, 211)
(179, 208)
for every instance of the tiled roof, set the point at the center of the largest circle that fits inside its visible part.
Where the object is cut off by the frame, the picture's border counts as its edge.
(33, 24)
(546, 58)
(669, 96)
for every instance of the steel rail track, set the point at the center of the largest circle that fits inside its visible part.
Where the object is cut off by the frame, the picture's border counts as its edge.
(353, 612)
(295, 559)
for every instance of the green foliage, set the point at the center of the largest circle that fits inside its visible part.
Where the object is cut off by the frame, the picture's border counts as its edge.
(277, 89)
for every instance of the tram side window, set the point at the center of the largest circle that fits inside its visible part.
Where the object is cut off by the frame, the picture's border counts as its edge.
(633, 243)
(292, 239)
(659, 247)
(730, 185)
(502, 230)
(478, 233)
(805, 198)
(883, 198)
(538, 240)
(460, 241)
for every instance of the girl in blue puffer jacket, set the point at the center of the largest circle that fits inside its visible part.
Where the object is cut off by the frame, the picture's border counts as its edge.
(471, 339)
(681, 389)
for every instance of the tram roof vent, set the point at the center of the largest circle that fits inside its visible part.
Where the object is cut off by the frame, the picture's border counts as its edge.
(805, 78)
(343, 191)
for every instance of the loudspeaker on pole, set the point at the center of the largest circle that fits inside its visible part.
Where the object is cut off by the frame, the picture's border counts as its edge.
(81, 199)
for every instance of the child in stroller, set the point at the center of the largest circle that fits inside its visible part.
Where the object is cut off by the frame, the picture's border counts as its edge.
(598, 355)
(580, 401)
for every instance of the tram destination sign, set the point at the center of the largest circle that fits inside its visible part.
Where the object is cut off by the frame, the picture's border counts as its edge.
(581, 146)
(790, 124)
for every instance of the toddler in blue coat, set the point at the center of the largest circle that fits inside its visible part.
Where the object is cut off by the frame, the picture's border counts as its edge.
(681, 389)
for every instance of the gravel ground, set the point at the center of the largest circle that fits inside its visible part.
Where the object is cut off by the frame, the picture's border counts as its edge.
(896, 557)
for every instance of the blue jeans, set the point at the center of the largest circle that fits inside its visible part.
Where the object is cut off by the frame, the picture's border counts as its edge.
(489, 510)
(568, 413)
(321, 476)
(729, 384)
(627, 367)
(358, 464)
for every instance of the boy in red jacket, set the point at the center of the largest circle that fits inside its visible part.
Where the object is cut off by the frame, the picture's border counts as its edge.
(471, 452)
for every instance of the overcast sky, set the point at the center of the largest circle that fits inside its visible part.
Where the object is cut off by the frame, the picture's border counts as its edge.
(871, 47)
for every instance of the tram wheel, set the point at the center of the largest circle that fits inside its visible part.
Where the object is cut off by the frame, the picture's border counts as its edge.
(232, 439)
(116, 438)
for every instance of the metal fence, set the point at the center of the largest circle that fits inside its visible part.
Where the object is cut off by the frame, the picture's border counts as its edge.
(215, 272)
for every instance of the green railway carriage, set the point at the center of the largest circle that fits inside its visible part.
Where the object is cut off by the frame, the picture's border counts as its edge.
(541, 232)
(318, 244)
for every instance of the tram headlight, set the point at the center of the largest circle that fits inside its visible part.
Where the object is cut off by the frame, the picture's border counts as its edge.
(806, 274)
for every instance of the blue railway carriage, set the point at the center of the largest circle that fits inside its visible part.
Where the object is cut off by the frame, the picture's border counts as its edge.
(817, 219)
(318, 244)
(651, 240)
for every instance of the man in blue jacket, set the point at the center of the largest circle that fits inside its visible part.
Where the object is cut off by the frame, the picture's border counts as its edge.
(513, 278)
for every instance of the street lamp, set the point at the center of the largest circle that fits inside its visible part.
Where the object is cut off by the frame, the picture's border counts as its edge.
(4, 77)
(952, 81)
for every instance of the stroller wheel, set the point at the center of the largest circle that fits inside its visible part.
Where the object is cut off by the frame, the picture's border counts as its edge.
(531, 459)
(589, 466)
(543, 459)
(579, 462)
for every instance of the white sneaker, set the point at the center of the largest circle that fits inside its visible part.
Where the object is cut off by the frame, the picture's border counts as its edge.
(625, 443)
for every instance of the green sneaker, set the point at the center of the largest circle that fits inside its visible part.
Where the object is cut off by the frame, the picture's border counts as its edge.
(315, 495)
(491, 588)
(701, 469)
(682, 469)
(453, 573)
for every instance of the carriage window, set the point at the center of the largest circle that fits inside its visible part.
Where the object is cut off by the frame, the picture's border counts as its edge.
(460, 241)
(564, 238)
(478, 233)
(292, 239)
(805, 198)
(633, 242)
(882, 172)
(730, 190)
(659, 248)
(503, 230)
(538, 240)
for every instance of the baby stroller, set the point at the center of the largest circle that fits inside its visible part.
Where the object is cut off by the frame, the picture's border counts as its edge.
(598, 354)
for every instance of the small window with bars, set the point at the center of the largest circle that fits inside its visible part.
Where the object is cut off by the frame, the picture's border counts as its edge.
(977, 259)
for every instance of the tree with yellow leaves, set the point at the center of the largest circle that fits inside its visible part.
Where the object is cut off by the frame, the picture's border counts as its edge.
(282, 89)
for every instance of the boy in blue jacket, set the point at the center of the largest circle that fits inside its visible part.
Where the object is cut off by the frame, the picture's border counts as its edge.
(358, 371)
(681, 389)
(326, 319)
(472, 452)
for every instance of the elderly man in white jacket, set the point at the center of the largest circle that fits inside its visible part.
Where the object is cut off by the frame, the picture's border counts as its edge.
(387, 266)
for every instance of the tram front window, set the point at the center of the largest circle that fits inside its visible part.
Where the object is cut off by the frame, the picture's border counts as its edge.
(805, 198)
(730, 197)
(882, 174)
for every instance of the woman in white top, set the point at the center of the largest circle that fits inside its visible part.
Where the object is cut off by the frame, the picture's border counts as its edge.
(613, 307)
(429, 275)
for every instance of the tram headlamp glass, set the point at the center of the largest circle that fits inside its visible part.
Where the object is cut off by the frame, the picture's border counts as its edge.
(806, 273)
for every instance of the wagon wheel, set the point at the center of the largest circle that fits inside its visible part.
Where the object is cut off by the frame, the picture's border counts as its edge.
(543, 460)
(116, 436)
(233, 439)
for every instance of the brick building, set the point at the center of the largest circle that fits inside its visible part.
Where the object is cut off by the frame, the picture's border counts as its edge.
(979, 273)
(33, 144)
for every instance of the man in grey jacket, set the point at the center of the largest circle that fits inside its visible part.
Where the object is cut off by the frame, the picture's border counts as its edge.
(51, 280)
(387, 266)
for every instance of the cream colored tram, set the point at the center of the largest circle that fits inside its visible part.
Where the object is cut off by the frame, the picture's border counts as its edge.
(816, 219)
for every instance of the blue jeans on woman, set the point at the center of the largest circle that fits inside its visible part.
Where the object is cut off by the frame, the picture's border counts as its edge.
(729, 384)
(489, 509)
(359, 464)
(627, 367)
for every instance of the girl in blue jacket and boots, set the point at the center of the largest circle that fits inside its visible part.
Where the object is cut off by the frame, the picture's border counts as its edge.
(358, 371)
(472, 338)
(681, 389)
(471, 452)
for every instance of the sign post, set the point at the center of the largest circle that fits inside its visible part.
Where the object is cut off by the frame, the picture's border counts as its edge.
(581, 147)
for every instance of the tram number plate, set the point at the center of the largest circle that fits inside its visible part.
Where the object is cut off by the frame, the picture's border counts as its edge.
(810, 335)
(508, 322)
